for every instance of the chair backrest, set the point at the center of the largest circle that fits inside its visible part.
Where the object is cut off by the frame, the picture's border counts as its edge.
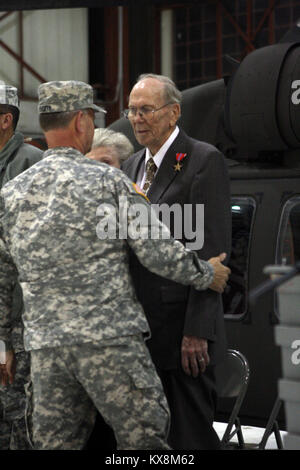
(232, 375)
(232, 378)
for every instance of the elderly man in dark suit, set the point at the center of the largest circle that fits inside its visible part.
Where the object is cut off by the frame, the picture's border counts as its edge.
(188, 334)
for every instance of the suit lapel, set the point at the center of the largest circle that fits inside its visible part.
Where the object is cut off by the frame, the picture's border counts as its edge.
(166, 174)
(133, 170)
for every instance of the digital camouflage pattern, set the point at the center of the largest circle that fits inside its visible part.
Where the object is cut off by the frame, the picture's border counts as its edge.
(76, 287)
(15, 157)
(13, 429)
(77, 291)
(120, 380)
(9, 95)
(65, 96)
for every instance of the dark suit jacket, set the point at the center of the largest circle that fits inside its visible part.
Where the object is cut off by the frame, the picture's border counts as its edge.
(174, 310)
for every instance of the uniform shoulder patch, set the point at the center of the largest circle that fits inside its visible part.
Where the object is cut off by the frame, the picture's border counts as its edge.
(139, 191)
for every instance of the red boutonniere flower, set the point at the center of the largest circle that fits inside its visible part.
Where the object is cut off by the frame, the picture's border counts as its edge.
(179, 158)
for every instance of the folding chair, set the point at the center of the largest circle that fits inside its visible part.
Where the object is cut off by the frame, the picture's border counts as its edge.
(272, 426)
(232, 377)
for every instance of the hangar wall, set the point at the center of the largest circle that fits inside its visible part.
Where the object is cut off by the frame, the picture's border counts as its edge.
(54, 43)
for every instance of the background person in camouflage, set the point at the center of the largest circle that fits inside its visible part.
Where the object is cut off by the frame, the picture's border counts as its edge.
(110, 147)
(15, 157)
(83, 324)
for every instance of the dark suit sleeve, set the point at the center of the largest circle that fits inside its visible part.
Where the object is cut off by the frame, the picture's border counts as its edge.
(211, 188)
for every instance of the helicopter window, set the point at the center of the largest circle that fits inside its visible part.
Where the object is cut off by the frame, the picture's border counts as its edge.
(288, 243)
(234, 297)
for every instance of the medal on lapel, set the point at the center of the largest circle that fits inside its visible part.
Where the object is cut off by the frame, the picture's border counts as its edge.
(179, 158)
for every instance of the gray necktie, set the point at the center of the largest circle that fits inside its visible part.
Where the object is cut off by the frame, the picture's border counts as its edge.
(150, 172)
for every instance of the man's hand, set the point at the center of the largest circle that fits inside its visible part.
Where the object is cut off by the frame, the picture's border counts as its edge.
(194, 355)
(7, 370)
(221, 273)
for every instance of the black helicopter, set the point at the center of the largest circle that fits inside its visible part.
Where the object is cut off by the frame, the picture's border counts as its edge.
(253, 117)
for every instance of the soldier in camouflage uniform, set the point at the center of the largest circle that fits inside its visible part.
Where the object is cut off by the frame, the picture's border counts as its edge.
(15, 157)
(83, 324)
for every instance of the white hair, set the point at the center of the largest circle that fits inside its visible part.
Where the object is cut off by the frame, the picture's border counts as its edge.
(117, 140)
(172, 94)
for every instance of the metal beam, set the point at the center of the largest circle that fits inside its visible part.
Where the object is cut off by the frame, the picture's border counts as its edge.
(237, 27)
(7, 5)
(266, 15)
(20, 60)
(249, 20)
(21, 51)
(5, 15)
(219, 40)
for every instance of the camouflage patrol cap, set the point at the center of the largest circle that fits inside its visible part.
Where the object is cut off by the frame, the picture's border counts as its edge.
(9, 95)
(60, 97)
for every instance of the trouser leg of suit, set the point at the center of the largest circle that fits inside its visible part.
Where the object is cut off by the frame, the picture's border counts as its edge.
(120, 380)
(13, 433)
(192, 403)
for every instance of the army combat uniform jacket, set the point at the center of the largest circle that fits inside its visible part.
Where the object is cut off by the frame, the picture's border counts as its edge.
(66, 224)
(16, 157)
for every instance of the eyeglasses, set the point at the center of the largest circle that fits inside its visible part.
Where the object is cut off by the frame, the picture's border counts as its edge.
(145, 112)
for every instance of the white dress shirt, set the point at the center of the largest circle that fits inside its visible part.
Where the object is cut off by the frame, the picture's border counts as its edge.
(158, 157)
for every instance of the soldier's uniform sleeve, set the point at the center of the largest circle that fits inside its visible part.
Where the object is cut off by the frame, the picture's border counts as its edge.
(8, 278)
(26, 156)
(152, 242)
